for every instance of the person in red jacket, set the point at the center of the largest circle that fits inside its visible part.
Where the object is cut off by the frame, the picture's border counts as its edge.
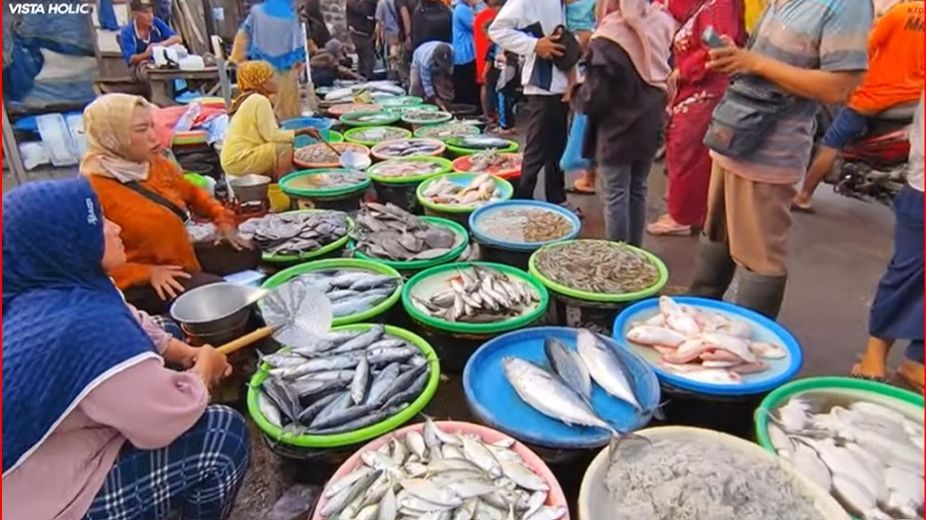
(481, 35)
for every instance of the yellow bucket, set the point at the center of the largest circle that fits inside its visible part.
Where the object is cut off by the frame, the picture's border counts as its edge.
(279, 201)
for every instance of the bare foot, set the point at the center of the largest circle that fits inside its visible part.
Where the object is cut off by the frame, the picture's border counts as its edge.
(911, 373)
(802, 203)
(871, 366)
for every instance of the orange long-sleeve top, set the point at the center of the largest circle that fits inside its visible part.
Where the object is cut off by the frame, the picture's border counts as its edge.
(153, 234)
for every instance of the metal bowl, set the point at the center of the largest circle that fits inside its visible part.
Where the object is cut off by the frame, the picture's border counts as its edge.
(212, 308)
(250, 188)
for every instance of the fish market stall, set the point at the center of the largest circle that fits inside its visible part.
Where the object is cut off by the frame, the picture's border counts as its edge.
(394, 237)
(460, 306)
(560, 390)
(696, 473)
(457, 195)
(359, 290)
(395, 180)
(504, 165)
(346, 108)
(510, 231)
(417, 118)
(443, 468)
(413, 147)
(320, 155)
(373, 135)
(591, 281)
(380, 118)
(298, 236)
(357, 383)
(468, 145)
(328, 188)
(860, 440)
(400, 101)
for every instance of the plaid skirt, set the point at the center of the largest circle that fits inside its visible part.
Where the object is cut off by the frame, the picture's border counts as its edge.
(197, 476)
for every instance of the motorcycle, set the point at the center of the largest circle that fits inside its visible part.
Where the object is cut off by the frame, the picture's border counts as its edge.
(874, 167)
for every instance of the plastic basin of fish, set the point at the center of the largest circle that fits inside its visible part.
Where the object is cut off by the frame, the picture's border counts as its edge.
(379, 151)
(434, 131)
(328, 250)
(556, 496)
(307, 444)
(903, 401)
(595, 500)
(356, 135)
(494, 401)
(576, 308)
(401, 190)
(340, 109)
(343, 263)
(459, 151)
(342, 198)
(455, 342)
(341, 147)
(400, 101)
(464, 164)
(458, 213)
(516, 253)
(382, 118)
(302, 141)
(414, 266)
(409, 117)
(322, 124)
(780, 370)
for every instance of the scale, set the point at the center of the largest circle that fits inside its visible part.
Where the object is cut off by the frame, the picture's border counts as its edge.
(249, 196)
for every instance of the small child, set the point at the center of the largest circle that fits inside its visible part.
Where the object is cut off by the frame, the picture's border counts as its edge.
(504, 75)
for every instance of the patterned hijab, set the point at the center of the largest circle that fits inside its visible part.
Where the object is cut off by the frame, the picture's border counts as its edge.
(251, 78)
(108, 127)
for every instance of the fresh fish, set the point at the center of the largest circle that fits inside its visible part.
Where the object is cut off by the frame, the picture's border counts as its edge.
(569, 366)
(525, 225)
(448, 130)
(294, 233)
(606, 367)
(523, 476)
(339, 501)
(388, 509)
(382, 381)
(481, 456)
(391, 233)
(358, 387)
(407, 167)
(481, 142)
(546, 394)
(268, 410)
(548, 513)
(480, 190)
(479, 295)
(408, 148)
(427, 490)
(491, 161)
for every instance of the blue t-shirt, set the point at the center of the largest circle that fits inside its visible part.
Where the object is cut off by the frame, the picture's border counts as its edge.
(132, 44)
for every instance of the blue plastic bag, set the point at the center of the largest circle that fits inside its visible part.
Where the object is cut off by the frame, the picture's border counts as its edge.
(573, 159)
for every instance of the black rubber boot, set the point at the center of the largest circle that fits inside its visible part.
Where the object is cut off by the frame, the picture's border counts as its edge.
(760, 293)
(714, 270)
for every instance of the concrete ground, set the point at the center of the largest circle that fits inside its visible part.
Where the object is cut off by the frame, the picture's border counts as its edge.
(837, 257)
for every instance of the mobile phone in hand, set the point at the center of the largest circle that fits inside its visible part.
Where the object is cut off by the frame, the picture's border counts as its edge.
(712, 38)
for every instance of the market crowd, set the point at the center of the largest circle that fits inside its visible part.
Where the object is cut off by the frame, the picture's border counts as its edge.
(730, 87)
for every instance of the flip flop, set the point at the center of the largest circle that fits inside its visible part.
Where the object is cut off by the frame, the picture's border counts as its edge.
(579, 191)
(661, 229)
(800, 208)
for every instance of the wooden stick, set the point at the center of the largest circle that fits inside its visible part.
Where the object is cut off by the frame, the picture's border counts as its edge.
(247, 340)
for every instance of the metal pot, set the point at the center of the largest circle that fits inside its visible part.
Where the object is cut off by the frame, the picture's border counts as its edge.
(249, 188)
(214, 308)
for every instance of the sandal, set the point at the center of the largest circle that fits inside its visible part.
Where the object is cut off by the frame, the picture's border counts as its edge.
(663, 228)
(580, 188)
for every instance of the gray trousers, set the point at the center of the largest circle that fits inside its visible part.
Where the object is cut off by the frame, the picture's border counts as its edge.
(623, 194)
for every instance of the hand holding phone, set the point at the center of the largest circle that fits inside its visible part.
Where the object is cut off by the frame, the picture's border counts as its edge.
(712, 38)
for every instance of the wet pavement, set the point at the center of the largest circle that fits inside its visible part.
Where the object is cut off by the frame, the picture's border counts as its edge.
(837, 257)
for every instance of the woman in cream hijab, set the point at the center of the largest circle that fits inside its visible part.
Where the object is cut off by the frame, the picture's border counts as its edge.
(146, 195)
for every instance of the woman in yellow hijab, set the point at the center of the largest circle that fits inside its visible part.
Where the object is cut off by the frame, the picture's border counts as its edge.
(754, 10)
(254, 142)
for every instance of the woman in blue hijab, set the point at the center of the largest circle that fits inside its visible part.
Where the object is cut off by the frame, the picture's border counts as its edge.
(272, 33)
(95, 426)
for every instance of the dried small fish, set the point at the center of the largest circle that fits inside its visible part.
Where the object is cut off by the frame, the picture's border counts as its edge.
(368, 118)
(389, 232)
(408, 148)
(479, 295)
(491, 161)
(295, 232)
(407, 167)
(375, 134)
(320, 153)
(482, 189)
(525, 225)
(448, 130)
(426, 116)
(598, 266)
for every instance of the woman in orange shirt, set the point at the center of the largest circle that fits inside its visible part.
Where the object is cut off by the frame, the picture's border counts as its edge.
(146, 195)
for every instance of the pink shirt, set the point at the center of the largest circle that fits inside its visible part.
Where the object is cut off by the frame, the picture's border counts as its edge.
(146, 404)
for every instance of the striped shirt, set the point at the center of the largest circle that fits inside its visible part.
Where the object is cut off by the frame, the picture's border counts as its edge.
(830, 35)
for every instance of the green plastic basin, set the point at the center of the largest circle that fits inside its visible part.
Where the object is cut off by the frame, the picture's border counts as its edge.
(320, 252)
(418, 265)
(343, 263)
(363, 434)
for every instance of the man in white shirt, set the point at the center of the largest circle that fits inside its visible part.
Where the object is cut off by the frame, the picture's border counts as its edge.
(524, 28)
